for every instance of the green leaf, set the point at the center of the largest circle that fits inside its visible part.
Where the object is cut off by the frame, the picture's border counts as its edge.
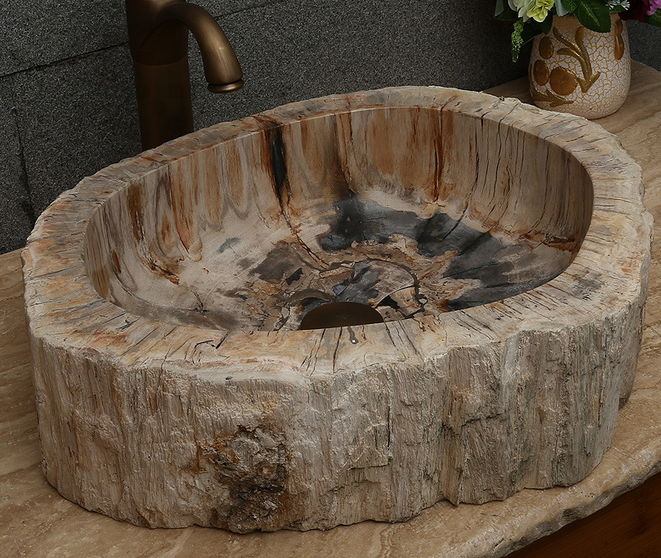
(506, 13)
(570, 5)
(545, 26)
(593, 14)
(530, 30)
(654, 19)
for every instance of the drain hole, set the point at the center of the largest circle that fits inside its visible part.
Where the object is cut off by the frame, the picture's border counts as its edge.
(338, 314)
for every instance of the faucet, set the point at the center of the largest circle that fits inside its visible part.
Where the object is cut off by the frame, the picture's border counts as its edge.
(158, 38)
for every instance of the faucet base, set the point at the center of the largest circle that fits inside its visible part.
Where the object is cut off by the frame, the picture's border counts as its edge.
(164, 101)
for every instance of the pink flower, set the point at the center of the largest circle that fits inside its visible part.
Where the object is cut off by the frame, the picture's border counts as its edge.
(653, 7)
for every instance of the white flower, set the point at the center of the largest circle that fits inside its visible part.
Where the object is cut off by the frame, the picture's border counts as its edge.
(540, 10)
(522, 7)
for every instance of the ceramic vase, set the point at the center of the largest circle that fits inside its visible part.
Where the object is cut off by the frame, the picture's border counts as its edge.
(579, 71)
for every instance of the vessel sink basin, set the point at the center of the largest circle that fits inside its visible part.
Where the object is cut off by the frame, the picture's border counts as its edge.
(342, 309)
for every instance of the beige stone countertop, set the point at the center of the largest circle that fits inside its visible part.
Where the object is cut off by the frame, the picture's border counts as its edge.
(35, 521)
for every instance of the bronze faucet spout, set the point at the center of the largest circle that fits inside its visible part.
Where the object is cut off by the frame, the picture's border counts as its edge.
(158, 37)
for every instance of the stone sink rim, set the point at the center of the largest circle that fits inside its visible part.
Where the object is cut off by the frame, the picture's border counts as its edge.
(602, 159)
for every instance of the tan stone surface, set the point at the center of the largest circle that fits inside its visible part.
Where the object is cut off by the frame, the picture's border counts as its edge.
(35, 521)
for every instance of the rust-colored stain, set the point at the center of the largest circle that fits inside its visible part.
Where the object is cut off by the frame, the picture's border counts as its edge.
(101, 282)
(135, 207)
(182, 190)
(253, 464)
(370, 129)
(116, 263)
(214, 187)
(234, 184)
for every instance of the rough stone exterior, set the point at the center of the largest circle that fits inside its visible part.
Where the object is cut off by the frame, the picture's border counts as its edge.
(148, 415)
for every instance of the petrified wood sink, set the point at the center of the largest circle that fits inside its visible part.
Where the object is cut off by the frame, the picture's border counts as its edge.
(506, 249)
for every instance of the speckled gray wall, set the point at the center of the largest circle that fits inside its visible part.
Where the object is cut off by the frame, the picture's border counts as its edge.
(67, 104)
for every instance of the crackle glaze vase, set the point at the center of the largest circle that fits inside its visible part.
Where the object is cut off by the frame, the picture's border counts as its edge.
(579, 71)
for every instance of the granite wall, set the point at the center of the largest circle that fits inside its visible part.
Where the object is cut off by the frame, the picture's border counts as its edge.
(67, 105)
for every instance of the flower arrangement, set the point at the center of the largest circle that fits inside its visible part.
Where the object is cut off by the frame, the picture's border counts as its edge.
(532, 17)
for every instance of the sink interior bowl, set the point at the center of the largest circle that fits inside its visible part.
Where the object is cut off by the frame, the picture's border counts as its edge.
(487, 262)
(399, 208)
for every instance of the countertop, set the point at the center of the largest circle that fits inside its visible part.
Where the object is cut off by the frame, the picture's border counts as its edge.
(36, 521)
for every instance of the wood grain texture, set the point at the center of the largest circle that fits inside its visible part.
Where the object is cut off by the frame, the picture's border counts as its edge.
(161, 409)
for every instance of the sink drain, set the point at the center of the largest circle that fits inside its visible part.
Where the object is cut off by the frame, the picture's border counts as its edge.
(338, 314)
